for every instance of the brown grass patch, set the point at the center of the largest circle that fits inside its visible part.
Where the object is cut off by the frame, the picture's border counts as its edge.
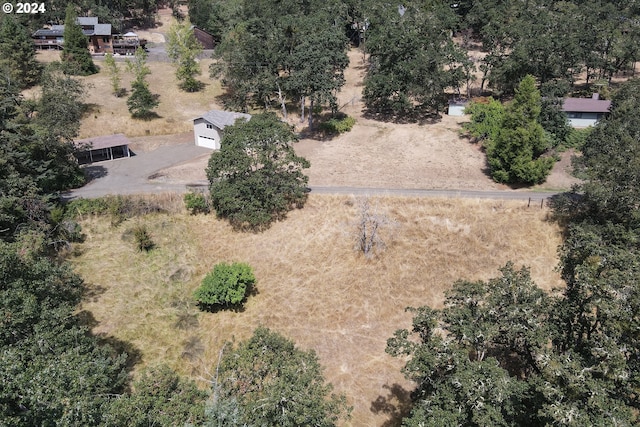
(108, 114)
(176, 111)
(312, 286)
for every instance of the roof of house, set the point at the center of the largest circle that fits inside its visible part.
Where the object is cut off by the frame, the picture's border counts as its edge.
(586, 105)
(44, 32)
(220, 118)
(102, 29)
(87, 20)
(105, 141)
(96, 30)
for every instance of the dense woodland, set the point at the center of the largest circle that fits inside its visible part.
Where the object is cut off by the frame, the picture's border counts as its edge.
(500, 352)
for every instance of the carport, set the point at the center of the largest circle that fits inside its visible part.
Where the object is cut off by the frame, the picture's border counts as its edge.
(100, 148)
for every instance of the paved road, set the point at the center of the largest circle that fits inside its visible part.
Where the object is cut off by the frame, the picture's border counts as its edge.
(466, 194)
(131, 176)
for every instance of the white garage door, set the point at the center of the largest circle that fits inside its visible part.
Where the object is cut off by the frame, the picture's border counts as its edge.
(204, 141)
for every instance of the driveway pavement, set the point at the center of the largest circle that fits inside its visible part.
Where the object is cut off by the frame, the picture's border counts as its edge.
(131, 175)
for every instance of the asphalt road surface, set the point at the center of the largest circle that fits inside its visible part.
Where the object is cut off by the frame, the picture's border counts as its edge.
(131, 176)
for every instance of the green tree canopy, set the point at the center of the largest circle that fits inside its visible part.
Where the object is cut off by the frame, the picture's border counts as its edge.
(141, 102)
(35, 162)
(159, 397)
(215, 16)
(53, 372)
(288, 50)
(597, 322)
(413, 58)
(486, 119)
(75, 52)
(17, 55)
(611, 163)
(114, 75)
(268, 381)
(515, 153)
(499, 354)
(60, 105)
(554, 40)
(226, 284)
(183, 49)
(256, 177)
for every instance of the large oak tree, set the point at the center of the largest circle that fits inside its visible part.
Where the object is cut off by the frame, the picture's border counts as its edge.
(256, 177)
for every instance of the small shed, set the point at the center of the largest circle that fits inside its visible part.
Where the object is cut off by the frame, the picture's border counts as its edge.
(101, 148)
(207, 129)
(584, 112)
(457, 106)
(204, 38)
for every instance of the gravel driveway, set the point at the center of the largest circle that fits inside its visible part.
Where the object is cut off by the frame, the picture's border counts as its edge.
(131, 175)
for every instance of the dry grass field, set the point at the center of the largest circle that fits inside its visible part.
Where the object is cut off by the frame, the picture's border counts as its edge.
(313, 287)
(107, 114)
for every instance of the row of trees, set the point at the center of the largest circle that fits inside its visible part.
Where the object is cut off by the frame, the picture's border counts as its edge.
(271, 54)
(503, 352)
(53, 370)
(553, 40)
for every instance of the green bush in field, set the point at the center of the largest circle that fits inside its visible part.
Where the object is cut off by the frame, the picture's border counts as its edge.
(196, 203)
(143, 238)
(226, 284)
(338, 125)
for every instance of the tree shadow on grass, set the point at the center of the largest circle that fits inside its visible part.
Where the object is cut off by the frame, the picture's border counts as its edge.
(415, 116)
(236, 308)
(193, 87)
(90, 108)
(396, 404)
(320, 131)
(134, 355)
(147, 116)
(91, 292)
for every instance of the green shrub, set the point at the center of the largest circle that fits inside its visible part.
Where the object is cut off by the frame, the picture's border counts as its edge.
(196, 203)
(225, 285)
(119, 208)
(142, 238)
(81, 207)
(577, 138)
(338, 125)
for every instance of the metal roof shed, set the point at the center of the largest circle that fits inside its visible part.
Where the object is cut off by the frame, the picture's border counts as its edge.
(99, 148)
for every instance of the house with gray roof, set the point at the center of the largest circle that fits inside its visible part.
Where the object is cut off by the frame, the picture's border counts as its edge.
(584, 112)
(101, 39)
(208, 128)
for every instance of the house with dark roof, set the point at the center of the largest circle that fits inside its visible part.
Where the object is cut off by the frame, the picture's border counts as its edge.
(101, 39)
(99, 148)
(584, 112)
(207, 129)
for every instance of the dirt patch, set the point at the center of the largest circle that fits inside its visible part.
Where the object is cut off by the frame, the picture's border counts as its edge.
(560, 176)
(149, 143)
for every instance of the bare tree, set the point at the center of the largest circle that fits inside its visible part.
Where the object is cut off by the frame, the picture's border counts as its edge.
(369, 225)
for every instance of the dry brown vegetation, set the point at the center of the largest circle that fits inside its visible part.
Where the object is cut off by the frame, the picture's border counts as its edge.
(313, 287)
(107, 114)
